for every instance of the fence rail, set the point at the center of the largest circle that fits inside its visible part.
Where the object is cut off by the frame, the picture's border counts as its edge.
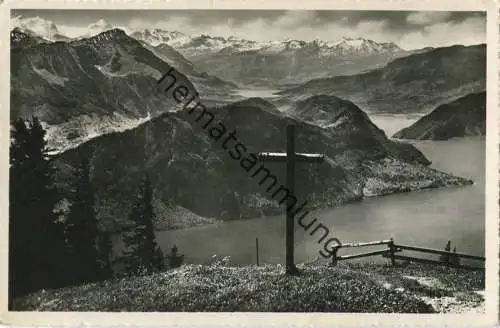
(354, 256)
(369, 243)
(435, 262)
(451, 258)
(440, 252)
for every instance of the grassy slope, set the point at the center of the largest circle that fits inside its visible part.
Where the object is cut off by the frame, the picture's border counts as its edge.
(346, 288)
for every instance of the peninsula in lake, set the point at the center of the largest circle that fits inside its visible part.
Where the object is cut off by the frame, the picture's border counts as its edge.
(463, 117)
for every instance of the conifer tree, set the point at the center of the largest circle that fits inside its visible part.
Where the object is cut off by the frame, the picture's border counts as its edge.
(36, 236)
(455, 260)
(19, 251)
(446, 257)
(105, 248)
(143, 254)
(90, 254)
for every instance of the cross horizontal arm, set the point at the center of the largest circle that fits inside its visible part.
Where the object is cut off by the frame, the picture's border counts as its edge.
(281, 157)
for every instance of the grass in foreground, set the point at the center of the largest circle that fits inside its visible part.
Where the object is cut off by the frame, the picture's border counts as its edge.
(217, 288)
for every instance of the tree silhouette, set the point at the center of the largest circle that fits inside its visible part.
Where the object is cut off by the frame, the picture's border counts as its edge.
(446, 257)
(143, 254)
(90, 253)
(454, 259)
(36, 236)
(105, 248)
(174, 260)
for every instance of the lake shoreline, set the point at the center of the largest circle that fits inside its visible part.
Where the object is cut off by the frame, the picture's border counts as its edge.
(315, 208)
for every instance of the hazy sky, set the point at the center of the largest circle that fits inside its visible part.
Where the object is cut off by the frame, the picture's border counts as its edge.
(408, 29)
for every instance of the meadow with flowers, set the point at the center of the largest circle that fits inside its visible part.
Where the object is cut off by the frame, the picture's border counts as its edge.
(222, 287)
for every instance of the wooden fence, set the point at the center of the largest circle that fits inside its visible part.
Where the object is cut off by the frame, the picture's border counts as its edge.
(452, 258)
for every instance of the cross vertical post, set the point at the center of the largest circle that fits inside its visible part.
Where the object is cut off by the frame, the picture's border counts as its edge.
(290, 183)
(290, 158)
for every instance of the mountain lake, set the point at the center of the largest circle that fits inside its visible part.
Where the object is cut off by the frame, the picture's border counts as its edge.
(426, 218)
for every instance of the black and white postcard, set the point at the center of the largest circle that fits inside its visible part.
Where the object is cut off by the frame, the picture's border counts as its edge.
(188, 163)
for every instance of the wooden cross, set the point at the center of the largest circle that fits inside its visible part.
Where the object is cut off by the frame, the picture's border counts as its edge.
(290, 157)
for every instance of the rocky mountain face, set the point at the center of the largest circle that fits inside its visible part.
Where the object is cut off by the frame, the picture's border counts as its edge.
(19, 38)
(463, 117)
(189, 168)
(211, 87)
(88, 87)
(416, 83)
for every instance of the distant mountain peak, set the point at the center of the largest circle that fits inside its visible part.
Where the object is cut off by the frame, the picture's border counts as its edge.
(312, 106)
(347, 45)
(256, 105)
(253, 102)
(20, 38)
(350, 38)
(36, 26)
(98, 27)
(157, 36)
(101, 23)
(17, 33)
(170, 33)
(114, 34)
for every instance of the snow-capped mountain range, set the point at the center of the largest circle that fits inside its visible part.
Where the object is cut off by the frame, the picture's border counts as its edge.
(40, 26)
(156, 36)
(193, 45)
(203, 44)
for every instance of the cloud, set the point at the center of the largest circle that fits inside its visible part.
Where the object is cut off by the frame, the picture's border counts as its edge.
(72, 31)
(295, 18)
(410, 31)
(177, 23)
(426, 29)
(302, 25)
(467, 32)
(427, 17)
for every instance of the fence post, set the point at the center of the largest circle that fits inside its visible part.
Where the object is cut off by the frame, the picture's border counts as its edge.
(334, 257)
(257, 249)
(390, 244)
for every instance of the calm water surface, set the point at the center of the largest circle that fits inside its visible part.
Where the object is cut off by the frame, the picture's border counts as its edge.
(392, 123)
(425, 218)
(262, 93)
